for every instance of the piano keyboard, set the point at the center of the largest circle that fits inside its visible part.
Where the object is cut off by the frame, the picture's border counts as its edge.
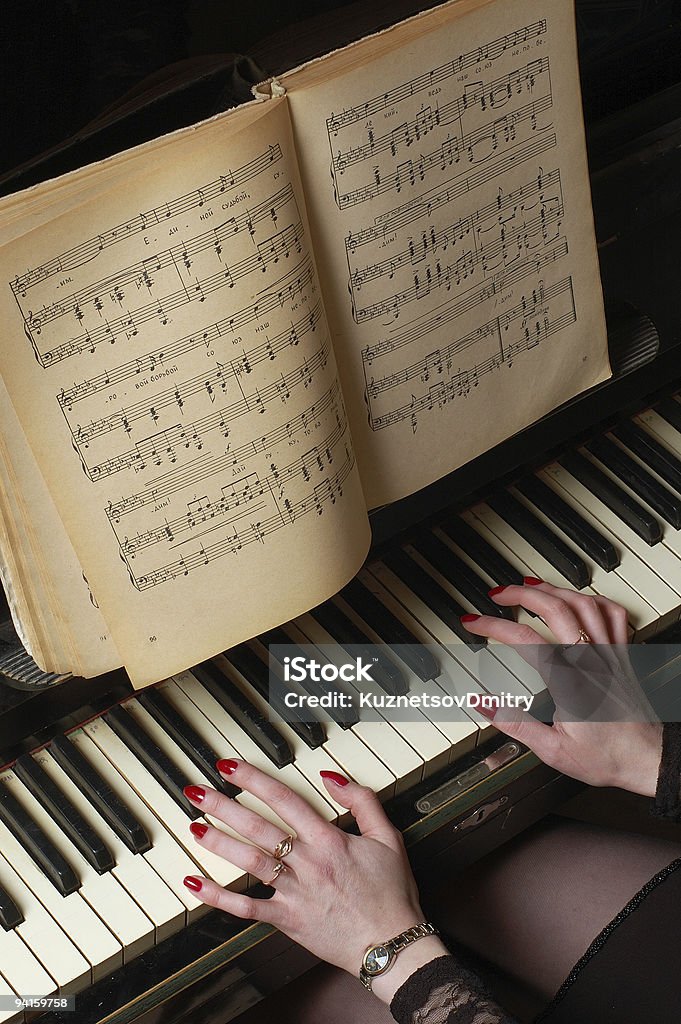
(94, 827)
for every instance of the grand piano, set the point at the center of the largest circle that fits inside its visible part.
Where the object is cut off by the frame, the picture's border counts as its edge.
(94, 837)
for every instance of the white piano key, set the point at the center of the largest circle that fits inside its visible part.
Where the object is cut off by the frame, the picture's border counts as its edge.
(74, 916)
(21, 968)
(105, 895)
(41, 933)
(166, 856)
(133, 872)
(10, 1016)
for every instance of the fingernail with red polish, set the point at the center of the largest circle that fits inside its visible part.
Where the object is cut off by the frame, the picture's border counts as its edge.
(531, 581)
(193, 883)
(469, 618)
(194, 793)
(340, 780)
(198, 830)
(488, 713)
(227, 766)
(495, 590)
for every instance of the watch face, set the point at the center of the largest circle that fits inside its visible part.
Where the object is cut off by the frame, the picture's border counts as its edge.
(376, 960)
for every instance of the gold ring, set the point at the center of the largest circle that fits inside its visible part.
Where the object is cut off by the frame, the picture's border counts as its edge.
(583, 638)
(283, 848)
(278, 868)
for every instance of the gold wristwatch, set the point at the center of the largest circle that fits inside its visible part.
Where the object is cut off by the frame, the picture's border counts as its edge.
(379, 958)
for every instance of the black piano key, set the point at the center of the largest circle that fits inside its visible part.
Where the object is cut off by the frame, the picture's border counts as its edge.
(611, 494)
(355, 641)
(650, 452)
(660, 499)
(670, 411)
(570, 522)
(256, 672)
(345, 717)
(482, 553)
(10, 915)
(155, 760)
(543, 539)
(431, 593)
(123, 822)
(40, 847)
(244, 713)
(68, 817)
(459, 574)
(186, 737)
(391, 630)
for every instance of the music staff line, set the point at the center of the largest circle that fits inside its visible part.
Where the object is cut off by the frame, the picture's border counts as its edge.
(157, 447)
(449, 153)
(208, 381)
(86, 251)
(495, 94)
(492, 50)
(440, 359)
(314, 501)
(128, 324)
(189, 475)
(460, 385)
(471, 298)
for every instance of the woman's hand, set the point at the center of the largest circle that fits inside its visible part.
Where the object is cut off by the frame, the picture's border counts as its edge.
(623, 751)
(339, 894)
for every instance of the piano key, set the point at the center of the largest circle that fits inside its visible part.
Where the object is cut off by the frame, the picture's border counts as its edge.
(9, 1016)
(21, 969)
(10, 915)
(106, 896)
(538, 534)
(164, 806)
(355, 641)
(430, 592)
(344, 717)
(242, 713)
(628, 471)
(256, 672)
(134, 873)
(41, 933)
(567, 519)
(151, 756)
(471, 586)
(198, 751)
(481, 553)
(166, 856)
(33, 838)
(379, 618)
(649, 450)
(670, 410)
(75, 917)
(618, 501)
(58, 805)
(112, 809)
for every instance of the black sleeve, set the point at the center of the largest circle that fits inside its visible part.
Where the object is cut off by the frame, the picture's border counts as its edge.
(444, 992)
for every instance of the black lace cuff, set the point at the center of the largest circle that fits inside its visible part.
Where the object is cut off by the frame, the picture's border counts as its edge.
(667, 802)
(444, 992)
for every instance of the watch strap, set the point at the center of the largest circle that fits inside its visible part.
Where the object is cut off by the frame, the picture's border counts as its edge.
(395, 946)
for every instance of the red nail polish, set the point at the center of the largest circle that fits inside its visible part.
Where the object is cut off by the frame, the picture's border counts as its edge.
(227, 765)
(488, 712)
(532, 581)
(495, 590)
(194, 793)
(340, 780)
(469, 618)
(198, 830)
(193, 883)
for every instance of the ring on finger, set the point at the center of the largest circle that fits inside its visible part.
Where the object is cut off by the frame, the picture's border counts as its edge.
(283, 848)
(278, 868)
(583, 638)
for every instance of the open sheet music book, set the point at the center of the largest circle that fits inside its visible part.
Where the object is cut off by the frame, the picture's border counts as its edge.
(222, 348)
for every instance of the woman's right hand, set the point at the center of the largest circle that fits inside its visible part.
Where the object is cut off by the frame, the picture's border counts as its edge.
(623, 751)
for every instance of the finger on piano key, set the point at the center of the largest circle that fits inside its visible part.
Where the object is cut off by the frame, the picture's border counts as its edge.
(135, 875)
(34, 839)
(138, 739)
(481, 553)
(386, 672)
(163, 805)
(41, 933)
(646, 569)
(166, 856)
(75, 917)
(100, 795)
(623, 468)
(120, 913)
(242, 713)
(58, 805)
(650, 452)
(456, 571)
(10, 914)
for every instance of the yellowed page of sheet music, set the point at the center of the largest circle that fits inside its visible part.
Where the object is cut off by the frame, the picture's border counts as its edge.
(444, 166)
(168, 356)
